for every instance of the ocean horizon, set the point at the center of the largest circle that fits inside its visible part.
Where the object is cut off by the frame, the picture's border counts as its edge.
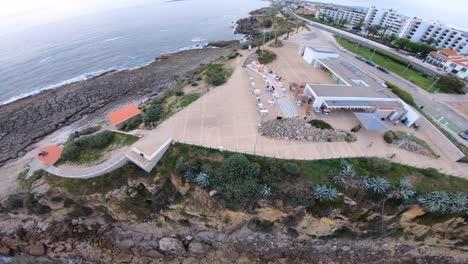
(63, 52)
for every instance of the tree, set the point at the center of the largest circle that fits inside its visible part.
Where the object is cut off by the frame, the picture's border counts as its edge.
(373, 30)
(359, 25)
(401, 43)
(453, 83)
(343, 22)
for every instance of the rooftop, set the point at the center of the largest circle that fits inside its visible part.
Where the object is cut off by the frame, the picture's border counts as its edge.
(49, 155)
(123, 114)
(358, 82)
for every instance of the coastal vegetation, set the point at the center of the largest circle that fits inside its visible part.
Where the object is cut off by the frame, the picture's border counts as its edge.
(92, 148)
(265, 56)
(240, 179)
(401, 68)
(217, 74)
(320, 124)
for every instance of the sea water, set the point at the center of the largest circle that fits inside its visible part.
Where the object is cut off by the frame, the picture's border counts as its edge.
(48, 56)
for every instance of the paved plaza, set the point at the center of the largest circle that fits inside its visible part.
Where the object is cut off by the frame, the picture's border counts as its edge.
(229, 116)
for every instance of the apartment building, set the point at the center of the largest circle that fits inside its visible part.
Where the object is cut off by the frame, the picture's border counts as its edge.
(437, 34)
(391, 22)
(351, 16)
(450, 61)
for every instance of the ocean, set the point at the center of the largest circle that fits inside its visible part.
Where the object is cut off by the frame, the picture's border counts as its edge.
(48, 56)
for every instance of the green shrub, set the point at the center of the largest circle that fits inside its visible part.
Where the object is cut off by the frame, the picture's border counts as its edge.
(431, 172)
(179, 92)
(320, 124)
(194, 84)
(291, 169)
(236, 182)
(133, 123)
(72, 150)
(379, 165)
(389, 137)
(217, 75)
(404, 95)
(265, 56)
(153, 114)
(233, 55)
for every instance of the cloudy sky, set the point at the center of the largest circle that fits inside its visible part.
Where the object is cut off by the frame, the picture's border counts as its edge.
(19, 14)
(451, 12)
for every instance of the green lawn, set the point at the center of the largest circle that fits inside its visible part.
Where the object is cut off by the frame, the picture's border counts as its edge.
(416, 77)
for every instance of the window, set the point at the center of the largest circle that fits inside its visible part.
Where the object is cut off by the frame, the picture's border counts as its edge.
(463, 70)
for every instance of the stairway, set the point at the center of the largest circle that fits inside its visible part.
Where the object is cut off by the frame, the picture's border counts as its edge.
(287, 107)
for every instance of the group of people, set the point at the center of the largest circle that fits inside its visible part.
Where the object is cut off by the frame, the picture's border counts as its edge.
(270, 88)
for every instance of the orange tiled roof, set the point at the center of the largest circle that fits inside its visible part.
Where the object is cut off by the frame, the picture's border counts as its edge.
(449, 52)
(123, 114)
(49, 155)
(461, 62)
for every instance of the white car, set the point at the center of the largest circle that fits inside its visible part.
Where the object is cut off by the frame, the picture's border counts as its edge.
(342, 49)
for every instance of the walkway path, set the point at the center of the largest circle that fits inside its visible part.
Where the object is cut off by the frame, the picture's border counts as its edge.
(113, 163)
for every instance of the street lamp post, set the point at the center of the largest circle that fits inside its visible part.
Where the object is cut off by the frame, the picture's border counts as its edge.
(434, 83)
(263, 46)
(407, 67)
(373, 53)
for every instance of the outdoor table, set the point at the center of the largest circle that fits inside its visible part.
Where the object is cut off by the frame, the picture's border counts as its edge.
(257, 92)
(264, 112)
(271, 102)
(260, 105)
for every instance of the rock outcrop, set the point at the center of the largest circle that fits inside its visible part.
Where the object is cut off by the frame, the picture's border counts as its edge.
(297, 129)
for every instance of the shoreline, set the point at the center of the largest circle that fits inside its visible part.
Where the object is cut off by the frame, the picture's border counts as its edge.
(99, 73)
(28, 120)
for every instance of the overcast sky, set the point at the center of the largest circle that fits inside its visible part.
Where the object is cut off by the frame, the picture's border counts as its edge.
(19, 14)
(451, 12)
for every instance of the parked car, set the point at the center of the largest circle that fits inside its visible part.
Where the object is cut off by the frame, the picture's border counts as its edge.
(360, 58)
(464, 134)
(370, 63)
(382, 69)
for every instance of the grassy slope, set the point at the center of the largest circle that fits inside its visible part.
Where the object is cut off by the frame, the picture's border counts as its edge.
(96, 155)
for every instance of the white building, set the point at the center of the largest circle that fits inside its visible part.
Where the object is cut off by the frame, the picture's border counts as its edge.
(437, 34)
(352, 17)
(391, 22)
(417, 30)
(450, 61)
(357, 91)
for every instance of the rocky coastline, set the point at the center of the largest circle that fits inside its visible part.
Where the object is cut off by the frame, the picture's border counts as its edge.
(28, 120)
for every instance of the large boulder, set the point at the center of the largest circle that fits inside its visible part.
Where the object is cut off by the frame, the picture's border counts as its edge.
(173, 246)
(36, 250)
(197, 248)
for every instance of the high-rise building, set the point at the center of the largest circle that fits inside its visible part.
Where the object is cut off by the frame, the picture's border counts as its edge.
(390, 21)
(436, 34)
(350, 16)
